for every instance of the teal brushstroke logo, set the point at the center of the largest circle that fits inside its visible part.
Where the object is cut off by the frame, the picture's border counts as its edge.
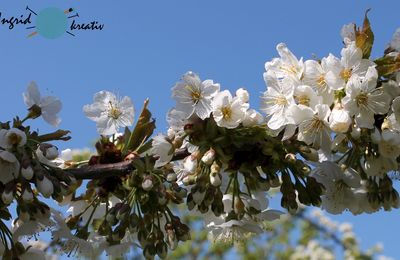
(50, 23)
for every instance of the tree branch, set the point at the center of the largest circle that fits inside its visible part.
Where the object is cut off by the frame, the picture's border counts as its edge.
(100, 171)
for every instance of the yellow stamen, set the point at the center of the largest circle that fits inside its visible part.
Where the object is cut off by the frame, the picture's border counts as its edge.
(226, 112)
(346, 74)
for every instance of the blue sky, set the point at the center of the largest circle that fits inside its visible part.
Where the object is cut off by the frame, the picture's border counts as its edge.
(147, 45)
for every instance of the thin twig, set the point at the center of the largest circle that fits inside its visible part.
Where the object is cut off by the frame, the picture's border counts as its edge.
(100, 171)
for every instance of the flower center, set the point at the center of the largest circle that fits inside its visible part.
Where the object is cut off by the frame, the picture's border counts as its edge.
(195, 94)
(321, 81)
(303, 100)
(226, 112)
(14, 139)
(362, 99)
(316, 125)
(281, 101)
(114, 112)
(346, 74)
(289, 69)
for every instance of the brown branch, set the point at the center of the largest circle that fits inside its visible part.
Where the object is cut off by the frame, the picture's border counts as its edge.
(100, 171)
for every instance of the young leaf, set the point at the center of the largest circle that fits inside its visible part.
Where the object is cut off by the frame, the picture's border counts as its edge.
(143, 130)
(387, 65)
(365, 37)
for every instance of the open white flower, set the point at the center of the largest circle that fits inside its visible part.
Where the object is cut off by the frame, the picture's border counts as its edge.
(315, 76)
(227, 111)
(276, 100)
(109, 112)
(363, 99)
(193, 96)
(50, 106)
(12, 138)
(235, 230)
(313, 125)
(287, 65)
(338, 186)
(9, 167)
(351, 64)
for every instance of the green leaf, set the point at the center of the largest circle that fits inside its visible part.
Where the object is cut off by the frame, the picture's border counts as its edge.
(143, 130)
(365, 37)
(387, 65)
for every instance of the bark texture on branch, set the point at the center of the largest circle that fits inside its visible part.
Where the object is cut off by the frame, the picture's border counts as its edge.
(100, 171)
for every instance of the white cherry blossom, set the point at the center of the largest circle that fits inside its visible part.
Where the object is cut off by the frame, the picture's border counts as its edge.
(276, 101)
(50, 106)
(287, 65)
(351, 64)
(228, 111)
(363, 99)
(193, 96)
(110, 112)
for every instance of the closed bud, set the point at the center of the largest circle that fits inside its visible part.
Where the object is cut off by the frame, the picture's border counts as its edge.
(27, 195)
(149, 251)
(189, 180)
(198, 196)
(147, 183)
(215, 168)
(162, 250)
(45, 186)
(243, 95)
(215, 179)
(49, 151)
(27, 172)
(171, 177)
(208, 157)
(133, 221)
(290, 158)
(7, 197)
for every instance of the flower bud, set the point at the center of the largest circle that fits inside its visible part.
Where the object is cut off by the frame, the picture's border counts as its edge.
(27, 173)
(290, 158)
(189, 180)
(215, 179)
(27, 195)
(190, 163)
(171, 177)
(339, 120)
(243, 95)
(162, 250)
(147, 183)
(198, 196)
(149, 251)
(45, 186)
(208, 157)
(7, 197)
(49, 151)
